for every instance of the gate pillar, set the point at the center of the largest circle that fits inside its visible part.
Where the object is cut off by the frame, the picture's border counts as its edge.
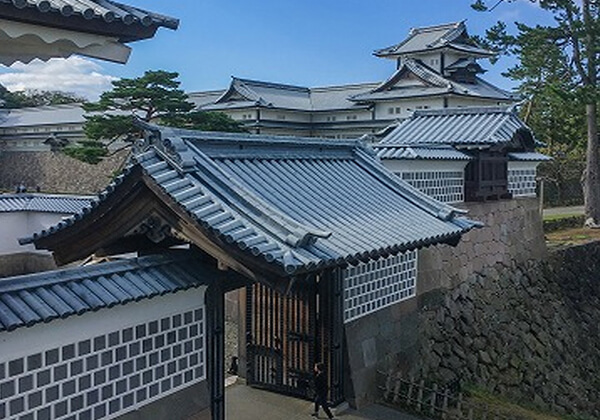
(215, 303)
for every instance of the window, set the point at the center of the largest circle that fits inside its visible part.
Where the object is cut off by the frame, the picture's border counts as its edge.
(521, 182)
(331, 118)
(351, 117)
(371, 286)
(444, 186)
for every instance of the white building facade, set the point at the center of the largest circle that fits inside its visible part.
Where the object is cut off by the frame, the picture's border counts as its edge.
(436, 67)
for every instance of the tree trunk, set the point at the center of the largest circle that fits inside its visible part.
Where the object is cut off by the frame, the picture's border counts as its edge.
(591, 178)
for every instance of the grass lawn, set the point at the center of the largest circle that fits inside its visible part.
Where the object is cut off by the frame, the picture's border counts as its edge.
(507, 408)
(572, 236)
(548, 217)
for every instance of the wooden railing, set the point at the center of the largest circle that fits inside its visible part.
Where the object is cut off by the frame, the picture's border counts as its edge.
(435, 402)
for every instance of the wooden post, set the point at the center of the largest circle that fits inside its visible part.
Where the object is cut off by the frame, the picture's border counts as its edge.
(541, 197)
(445, 404)
(411, 386)
(432, 407)
(388, 385)
(420, 395)
(397, 388)
(215, 303)
(470, 414)
(459, 404)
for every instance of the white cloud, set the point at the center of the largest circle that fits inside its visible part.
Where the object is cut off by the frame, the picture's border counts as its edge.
(74, 74)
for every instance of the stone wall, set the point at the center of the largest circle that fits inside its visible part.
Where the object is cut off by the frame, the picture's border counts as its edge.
(56, 173)
(391, 337)
(25, 263)
(530, 332)
(512, 234)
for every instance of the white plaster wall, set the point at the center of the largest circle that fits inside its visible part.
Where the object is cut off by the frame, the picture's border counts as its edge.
(407, 107)
(60, 334)
(284, 115)
(520, 165)
(361, 115)
(20, 224)
(75, 328)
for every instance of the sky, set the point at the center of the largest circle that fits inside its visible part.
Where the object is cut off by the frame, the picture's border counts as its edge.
(301, 42)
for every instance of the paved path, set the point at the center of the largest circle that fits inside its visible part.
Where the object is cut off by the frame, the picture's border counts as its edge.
(564, 210)
(245, 403)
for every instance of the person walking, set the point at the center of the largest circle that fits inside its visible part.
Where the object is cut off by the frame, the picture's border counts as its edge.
(321, 391)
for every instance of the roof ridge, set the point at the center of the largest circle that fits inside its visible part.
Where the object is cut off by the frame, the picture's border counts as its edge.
(272, 84)
(432, 28)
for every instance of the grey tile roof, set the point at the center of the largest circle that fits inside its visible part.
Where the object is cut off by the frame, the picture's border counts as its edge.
(244, 93)
(43, 203)
(420, 152)
(458, 127)
(108, 11)
(42, 115)
(298, 204)
(42, 297)
(434, 84)
(452, 35)
(529, 157)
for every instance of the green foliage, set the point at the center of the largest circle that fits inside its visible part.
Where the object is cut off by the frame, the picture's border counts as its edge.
(31, 98)
(154, 94)
(153, 97)
(557, 72)
(204, 120)
(87, 151)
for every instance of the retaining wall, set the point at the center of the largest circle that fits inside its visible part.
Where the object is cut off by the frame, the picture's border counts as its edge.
(392, 337)
(56, 173)
(530, 332)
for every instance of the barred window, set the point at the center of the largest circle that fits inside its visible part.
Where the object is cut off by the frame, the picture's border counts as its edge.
(371, 286)
(521, 182)
(445, 186)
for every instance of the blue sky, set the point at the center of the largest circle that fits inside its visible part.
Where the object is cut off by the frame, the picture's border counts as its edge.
(308, 42)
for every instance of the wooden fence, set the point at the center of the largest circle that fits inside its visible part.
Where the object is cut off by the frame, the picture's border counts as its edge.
(433, 401)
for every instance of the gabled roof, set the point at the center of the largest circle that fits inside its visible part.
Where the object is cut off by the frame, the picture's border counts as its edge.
(430, 38)
(465, 63)
(43, 203)
(292, 205)
(267, 94)
(59, 28)
(104, 17)
(432, 83)
(42, 297)
(244, 93)
(466, 127)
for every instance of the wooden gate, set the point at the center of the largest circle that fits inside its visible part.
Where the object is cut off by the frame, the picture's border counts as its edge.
(287, 334)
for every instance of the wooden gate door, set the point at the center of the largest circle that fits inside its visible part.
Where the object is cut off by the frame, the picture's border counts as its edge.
(280, 338)
(287, 334)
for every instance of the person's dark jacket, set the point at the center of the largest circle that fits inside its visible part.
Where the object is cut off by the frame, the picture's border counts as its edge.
(320, 384)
